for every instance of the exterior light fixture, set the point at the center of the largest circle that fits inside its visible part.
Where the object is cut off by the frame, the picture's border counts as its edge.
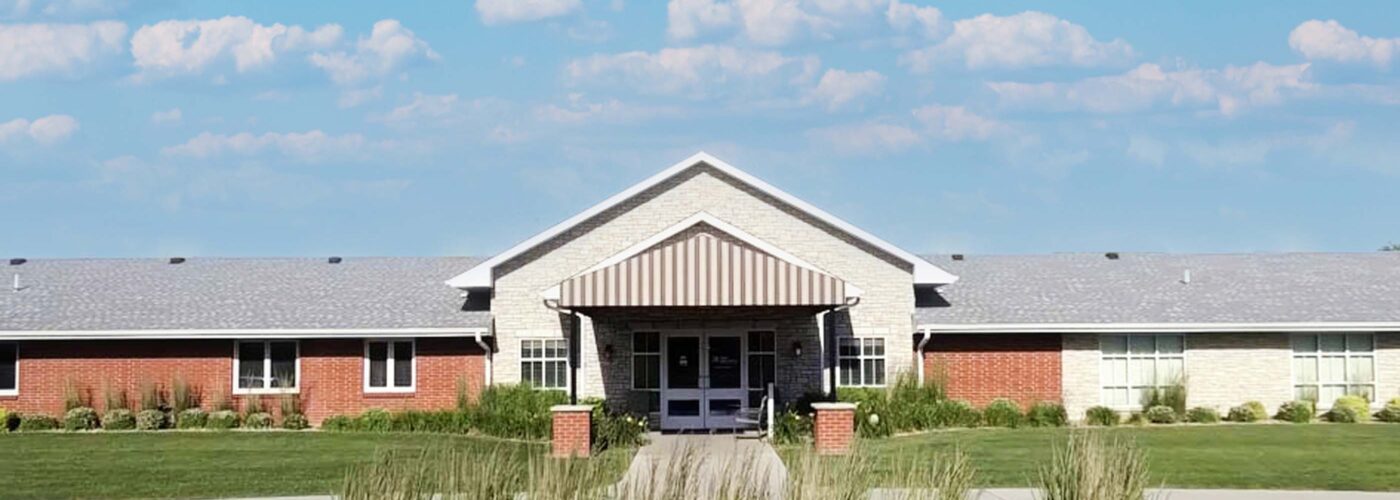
(797, 349)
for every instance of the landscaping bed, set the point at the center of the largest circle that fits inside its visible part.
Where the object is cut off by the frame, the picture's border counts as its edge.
(1248, 456)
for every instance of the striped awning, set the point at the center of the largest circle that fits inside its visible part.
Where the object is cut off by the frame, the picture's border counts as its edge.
(702, 271)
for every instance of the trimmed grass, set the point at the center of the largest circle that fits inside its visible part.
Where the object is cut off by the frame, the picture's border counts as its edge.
(1249, 456)
(197, 464)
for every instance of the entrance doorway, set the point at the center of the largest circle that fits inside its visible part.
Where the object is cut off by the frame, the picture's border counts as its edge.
(704, 378)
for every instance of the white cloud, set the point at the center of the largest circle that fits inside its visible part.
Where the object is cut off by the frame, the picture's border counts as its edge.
(310, 146)
(351, 98)
(172, 115)
(1026, 40)
(770, 22)
(515, 11)
(905, 17)
(47, 131)
(1147, 150)
(866, 138)
(389, 47)
(956, 123)
(64, 49)
(1146, 86)
(1330, 41)
(838, 88)
(579, 111)
(184, 47)
(692, 71)
(689, 18)
(422, 107)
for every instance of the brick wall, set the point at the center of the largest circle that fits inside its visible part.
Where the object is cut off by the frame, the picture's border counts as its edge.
(572, 431)
(981, 368)
(331, 373)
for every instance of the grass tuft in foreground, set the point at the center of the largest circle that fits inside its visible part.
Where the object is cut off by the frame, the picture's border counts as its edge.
(1090, 466)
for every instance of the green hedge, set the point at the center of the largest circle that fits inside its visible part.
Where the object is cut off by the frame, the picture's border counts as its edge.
(150, 420)
(221, 420)
(1202, 415)
(1045, 414)
(1391, 412)
(1102, 416)
(80, 418)
(1298, 412)
(35, 422)
(1002, 413)
(1160, 414)
(1252, 411)
(1350, 410)
(193, 418)
(516, 411)
(120, 419)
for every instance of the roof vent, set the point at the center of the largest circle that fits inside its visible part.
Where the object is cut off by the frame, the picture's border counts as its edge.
(958, 256)
(1111, 255)
(16, 262)
(334, 260)
(177, 260)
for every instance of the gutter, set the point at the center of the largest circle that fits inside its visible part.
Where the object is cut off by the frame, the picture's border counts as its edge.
(1373, 326)
(486, 349)
(919, 354)
(829, 378)
(575, 331)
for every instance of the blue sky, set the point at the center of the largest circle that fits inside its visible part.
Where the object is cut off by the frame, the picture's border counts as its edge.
(391, 128)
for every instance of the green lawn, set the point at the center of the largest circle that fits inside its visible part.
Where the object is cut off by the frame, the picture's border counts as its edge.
(191, 464)
(1256, 456)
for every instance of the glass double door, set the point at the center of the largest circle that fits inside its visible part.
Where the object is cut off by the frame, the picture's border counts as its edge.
(702, 379)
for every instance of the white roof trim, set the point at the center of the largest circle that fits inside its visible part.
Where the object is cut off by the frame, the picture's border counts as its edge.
(925, 273)
(239, 333)
(1161, 327)
(852, 291)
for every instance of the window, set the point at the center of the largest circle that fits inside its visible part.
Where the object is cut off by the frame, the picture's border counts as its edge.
(9, 369)
(389, 366)
(646, 367)
(266, 366)
(762, 365)
(1134, 365)
(1327, 366)
(544, 363)
(861, 362)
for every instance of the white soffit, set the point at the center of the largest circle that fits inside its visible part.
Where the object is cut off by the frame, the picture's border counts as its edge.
(925, 273)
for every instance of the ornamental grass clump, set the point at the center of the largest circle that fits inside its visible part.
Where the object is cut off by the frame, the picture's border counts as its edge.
(295, 422)
(1202, 415)
(1160, 415)
(150, 420)
(1089, 466)
(259, 420)
(1391, 412)
(375, 420)
(120, 419)
(339, 423)
(516, 411)
(36, 422)
(1046, 414)
(221, 420)
(1252, 411)
(81, 418)
(114, 399)
(1350, 410)
(1002, 413)
(191, 418)
(1102, 416)
(1298, 412)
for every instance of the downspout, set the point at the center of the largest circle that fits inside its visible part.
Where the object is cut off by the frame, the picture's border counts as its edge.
(919, 354)
(574, 357)
(480, 342)
(829, 378)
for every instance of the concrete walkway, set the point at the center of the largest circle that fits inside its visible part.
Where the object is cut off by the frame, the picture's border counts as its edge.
(743, 466)
(1193, 494)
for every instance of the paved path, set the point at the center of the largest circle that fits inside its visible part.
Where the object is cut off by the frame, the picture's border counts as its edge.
(705, 463)
(1193, 494)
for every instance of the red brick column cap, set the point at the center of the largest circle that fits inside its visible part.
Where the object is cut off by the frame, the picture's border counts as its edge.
(833, 406)
(570, 408)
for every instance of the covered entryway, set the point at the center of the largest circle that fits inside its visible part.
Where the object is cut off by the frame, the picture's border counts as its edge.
(705, 376)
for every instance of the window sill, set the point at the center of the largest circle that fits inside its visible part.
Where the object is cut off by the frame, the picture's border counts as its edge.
(8, 395)
(265, 392)
(390, 394)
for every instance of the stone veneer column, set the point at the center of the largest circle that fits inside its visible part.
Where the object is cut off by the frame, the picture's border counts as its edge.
(573, 431)
(835, 427)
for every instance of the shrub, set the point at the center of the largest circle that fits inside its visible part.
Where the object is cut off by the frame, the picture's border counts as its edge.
(295, 422)
(871, 406)
(150, 420)
(445, 421)
(1252, 411)
(1045, 414)
(1350, 410)
(1088, 466)
(1298, 412)
(191, 418)
(613, 429)
(81, 418)
(339, 423)
(120, 419)
(913, 405)
(1002, 413)
(1391, 412)
(516, 411)
(956, 413)
(253, 404)
(36, 422)
(259, 420)
(221, 420)
(1172, 396)
(290, 404)
(1160, 415)
(375, 420)
(220, 402)
(1202, 415)
(790, 427)
(7, 420)
(1101, 416)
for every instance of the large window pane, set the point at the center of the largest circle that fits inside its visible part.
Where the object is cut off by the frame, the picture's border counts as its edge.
(403, 364)
(1143, 371)
(284, 365)
(1305, 370)
(1360, 342)
(9, 367)
(1333, 343)
(250, 365)
(1360, 369)
(1305, 343)
(1113, 345)
(1141, 344)
(1170, 372)
(646, 342)
(850, 371)
(1332, 369)
(1169, 344)
(378, 364)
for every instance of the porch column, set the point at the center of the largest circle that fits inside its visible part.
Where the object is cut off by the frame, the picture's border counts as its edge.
(834, 429)
(573, 431)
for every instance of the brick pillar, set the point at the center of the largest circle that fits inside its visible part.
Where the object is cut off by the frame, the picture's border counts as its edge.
(835, 427)
(573, 431)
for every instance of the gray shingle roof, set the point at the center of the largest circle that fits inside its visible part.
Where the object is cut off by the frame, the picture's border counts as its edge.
(225, 293)
(1148, 288)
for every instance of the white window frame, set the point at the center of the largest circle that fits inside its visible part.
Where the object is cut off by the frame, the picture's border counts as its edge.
(568, 380)
(1347, 354)
(654, 354)
(1128, 356)
(752, 351)
(389, 387)
(861, 358)
(267, 368)
(15, 391)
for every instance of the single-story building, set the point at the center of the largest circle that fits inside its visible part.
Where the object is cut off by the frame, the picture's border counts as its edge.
(683, 297)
